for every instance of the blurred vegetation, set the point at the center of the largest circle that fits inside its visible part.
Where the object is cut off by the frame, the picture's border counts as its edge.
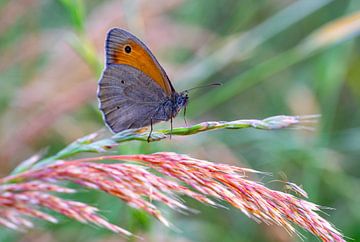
(273, 57)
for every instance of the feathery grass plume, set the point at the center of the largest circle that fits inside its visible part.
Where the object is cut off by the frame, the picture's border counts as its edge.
(138, 187)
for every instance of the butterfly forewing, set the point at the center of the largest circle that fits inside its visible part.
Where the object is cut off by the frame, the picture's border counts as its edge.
(124, 48)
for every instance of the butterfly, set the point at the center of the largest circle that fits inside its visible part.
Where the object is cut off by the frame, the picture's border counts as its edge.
(134, 91)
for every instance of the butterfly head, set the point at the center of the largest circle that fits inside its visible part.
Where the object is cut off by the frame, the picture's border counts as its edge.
(180, 101)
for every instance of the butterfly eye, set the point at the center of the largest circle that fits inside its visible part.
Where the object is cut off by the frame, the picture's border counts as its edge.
(128, 49)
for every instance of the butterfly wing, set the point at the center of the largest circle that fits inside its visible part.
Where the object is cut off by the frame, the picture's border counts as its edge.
(124, 48)
(129, 98)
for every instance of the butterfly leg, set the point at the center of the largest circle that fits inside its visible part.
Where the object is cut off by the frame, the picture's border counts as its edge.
(171, 126)
(185, 117)
(151, 130)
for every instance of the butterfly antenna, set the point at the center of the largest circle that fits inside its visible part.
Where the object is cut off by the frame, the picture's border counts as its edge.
(209, 85)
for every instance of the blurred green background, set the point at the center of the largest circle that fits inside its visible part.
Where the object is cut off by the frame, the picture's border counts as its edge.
(273, 57)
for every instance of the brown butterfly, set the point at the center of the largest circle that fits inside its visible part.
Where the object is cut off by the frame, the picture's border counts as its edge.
(134, 90)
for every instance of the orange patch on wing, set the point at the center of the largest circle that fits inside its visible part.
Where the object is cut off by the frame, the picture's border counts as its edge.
(140, 59)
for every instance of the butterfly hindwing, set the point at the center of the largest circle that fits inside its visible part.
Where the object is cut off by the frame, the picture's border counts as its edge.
(128, 97)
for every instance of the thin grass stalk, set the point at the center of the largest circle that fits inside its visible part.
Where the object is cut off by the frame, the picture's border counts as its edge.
(90, 144)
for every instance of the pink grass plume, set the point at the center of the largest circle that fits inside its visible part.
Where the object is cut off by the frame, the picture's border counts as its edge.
(22, 195)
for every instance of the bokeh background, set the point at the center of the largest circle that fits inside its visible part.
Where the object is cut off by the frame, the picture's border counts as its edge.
(273, 57)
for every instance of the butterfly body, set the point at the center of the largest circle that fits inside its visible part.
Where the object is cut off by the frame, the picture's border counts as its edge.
(134, 91)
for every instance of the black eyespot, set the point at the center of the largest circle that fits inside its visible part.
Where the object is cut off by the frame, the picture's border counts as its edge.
(128, 49)
(122, 82)
(117, 107)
